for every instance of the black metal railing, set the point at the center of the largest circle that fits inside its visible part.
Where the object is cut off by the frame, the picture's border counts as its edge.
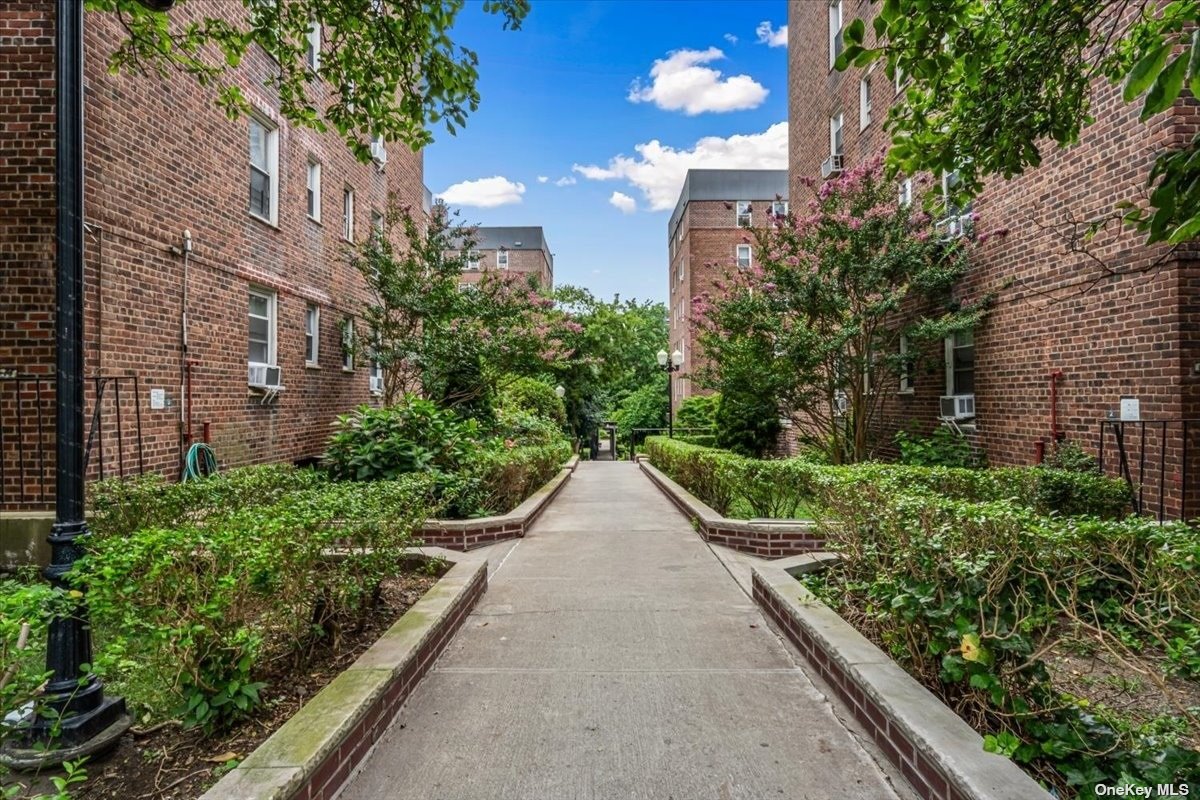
(1153, 458)
(109, 386)
(26, 417)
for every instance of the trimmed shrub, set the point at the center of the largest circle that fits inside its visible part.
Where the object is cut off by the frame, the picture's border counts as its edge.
(747, 423)
(942, 448)
(698, 411)
(503, 477)
(533, 397)
(415, 435)
(522, 428)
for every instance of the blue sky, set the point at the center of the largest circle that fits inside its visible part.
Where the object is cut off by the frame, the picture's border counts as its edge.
(571, 96)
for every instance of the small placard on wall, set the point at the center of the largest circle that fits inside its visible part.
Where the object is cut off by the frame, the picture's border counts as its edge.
(158, 399)
(1131, 409)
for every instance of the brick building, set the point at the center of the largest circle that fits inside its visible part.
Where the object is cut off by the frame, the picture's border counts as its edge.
(262, 287)
(707, 236)
(515, 250)
(1063, 326)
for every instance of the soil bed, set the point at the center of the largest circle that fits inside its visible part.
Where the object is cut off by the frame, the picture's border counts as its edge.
(165, 762)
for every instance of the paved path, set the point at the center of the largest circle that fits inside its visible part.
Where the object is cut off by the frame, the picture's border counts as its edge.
(613, 656)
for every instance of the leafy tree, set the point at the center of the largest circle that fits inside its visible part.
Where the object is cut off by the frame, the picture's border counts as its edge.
(392, 66)
(645, 407)
(698, 411)
(987, 81)
(810, 331)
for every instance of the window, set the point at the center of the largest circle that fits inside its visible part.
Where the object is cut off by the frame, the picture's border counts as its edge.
(377, 225)
(348, 344)
(348, 214)
(470, 261)
(378, 150)
(779, 208)
(960, 363)
(264, 169)
(502, 259)
(262, 327)
(743, 213)
(312, 334)
(864, 102)
(835, 31)
(906, 381)
(957, 220)
(376, 378)
(743, 256)
(314, 190)
(835, 135)
(312, 51)
(905, 193)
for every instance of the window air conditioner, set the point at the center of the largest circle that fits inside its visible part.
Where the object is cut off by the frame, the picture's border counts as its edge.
(376, 384)
(960, 406)
(831, 166)
(379, 152)
(263, 376)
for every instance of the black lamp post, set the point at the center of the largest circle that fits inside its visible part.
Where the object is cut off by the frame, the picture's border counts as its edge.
(670, 364)
(77, 719)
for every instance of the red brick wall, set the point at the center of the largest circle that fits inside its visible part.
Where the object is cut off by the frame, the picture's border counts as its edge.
(1123, 334)
(528, 262)
(161, 158)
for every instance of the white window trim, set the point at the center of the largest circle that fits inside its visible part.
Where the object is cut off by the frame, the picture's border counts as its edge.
(348, 213)
(348, 345)
(906, 382)
(951, 389)
(738, 213)
(837, 128)
(315, 310)
(836, 21)
(775, 208)
(272, 130)
(864, 102)
(378, 223)
(737, 255)
(313, 38)
(313, 171)
(502, 264)
(272, 319)
(904, 193)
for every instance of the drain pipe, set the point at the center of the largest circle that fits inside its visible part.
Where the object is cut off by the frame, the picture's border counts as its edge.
(185, 364)
(1055, 377)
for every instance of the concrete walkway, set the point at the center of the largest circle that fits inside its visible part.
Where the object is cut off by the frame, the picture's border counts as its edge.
(613, 656)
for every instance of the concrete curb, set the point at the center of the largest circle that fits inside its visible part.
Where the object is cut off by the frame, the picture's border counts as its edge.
(316, 751)
(467, 534)
(765, 538)
(938, 753)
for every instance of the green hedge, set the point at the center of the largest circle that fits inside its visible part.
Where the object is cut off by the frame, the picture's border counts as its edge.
(501, 478)
(775, 488)
(187, 614)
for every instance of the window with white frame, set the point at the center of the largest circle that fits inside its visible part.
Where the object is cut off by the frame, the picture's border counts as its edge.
(835, 134)
(906, 380)
(743, 256)
(348, 344)
(376, 379)
(377, 223)
(864, 102)
(957, 219)
(314, 189)
(312, 49)
(835, 30)
(348, 214)
(905, 193)
(502, 258)
(779, 208)
(264, 169)
(262, 327)
(312, 334)
(470, 261)
(743, 214)
(960, 363)
(379, 150)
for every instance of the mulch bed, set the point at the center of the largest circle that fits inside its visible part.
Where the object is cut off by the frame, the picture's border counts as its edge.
(165, 762)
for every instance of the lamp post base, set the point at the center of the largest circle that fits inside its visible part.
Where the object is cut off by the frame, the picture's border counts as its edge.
(95, 732)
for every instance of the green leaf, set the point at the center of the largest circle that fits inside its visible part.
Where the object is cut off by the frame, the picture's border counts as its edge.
(856, 31)
(1145, 71)
(1194, 65)
(1189, 230)
(1166, 88)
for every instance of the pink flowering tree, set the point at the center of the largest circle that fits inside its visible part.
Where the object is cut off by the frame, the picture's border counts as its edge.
(814, 326)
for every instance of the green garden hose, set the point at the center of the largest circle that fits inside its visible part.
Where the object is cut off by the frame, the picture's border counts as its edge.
(200, 462)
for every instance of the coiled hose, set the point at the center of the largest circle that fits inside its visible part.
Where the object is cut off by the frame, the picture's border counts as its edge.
(200, 462)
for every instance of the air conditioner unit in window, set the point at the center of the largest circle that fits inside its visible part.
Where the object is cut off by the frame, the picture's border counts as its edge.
(376, 384)
(831, 166)
(959, 406)
(379, 152)
(953, 227)
(263, 376)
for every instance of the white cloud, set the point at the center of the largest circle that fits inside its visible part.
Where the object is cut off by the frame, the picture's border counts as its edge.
(729, 37)
(568, 180)
(769, 36)
(542, 179)
(484, 192)
(680, 83)
(623, 202)
(658, 170)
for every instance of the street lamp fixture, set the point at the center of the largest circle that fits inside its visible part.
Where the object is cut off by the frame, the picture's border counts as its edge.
(670, 364)
(560, 392)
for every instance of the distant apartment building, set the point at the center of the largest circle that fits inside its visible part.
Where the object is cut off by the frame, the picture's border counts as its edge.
(515, 251)
(707, 236)
(218, 292)
(1068, 338)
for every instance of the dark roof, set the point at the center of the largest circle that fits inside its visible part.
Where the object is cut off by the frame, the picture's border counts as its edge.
(514, 238)
(728, 184)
